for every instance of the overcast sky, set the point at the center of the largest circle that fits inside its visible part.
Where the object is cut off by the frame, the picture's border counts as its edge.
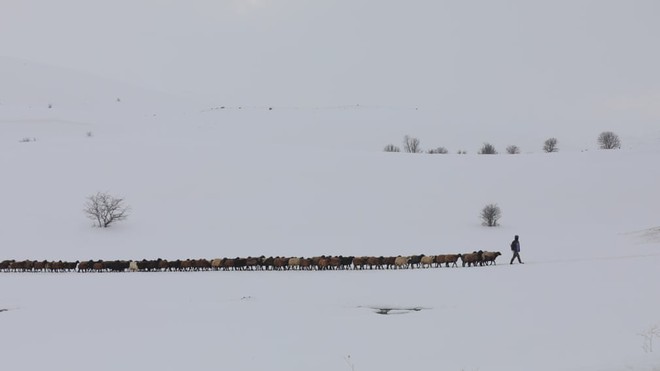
(519, 61)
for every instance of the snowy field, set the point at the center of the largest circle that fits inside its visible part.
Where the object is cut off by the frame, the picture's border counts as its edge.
(306, 181)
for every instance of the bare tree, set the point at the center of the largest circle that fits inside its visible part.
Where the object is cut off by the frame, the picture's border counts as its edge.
(411, 145)
(487, 149)
(550, 145)
(105, 209)
(490, 214)
(436, 151)
(512, 150)
(609, 140)
(392, 148)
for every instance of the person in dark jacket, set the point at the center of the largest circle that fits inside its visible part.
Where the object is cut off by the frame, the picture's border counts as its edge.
(515, 247)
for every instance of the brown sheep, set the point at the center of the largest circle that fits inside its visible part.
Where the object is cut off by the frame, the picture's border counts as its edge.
(388, 262)
(447, 259)
(40, 266)
(280, 263)
(305, 263)
(473, 258)
(163, 264)
(490, 256)
(334, 262)
(376, 262)
(98, 266)
(323, 262)
(253, 263)
(186, 265)
(359, 262)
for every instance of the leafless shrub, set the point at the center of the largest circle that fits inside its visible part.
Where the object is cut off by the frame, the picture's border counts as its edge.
(462, 152)
(89, 134)
(391, 148)
(512, 150)
(490, 214)
(487, 149)
(439, 150)
(411, 145)
(27, 140)
(105, 209)
(609, 140)
(550, 145)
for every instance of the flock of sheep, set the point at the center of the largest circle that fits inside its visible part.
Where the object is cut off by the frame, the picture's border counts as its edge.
(476, 258)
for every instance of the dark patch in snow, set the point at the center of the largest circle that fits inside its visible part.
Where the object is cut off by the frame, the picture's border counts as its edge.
(650, 235)
(395, 310)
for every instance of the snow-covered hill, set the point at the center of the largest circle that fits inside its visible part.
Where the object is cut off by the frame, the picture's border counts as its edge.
(305, 181)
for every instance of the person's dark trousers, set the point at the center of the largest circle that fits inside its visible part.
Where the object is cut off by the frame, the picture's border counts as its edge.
(516, 254)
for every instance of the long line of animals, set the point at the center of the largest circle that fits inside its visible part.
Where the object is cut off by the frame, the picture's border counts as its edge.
(476, 258)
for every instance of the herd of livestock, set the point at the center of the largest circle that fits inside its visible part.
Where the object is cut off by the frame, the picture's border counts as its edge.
(476, 258)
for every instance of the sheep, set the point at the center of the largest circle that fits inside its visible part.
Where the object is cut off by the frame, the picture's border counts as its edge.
(85, 266)
(98, 266)
(117, 265)
(253, 263)
(162, 264)
(388, 262)
(334, 262)
(186, 265)
(293, 263)
(323, 262)
(427, 261)
(401, 262)
(305, 263)
(40, 266)
(5, 265)
(447, 259)
(359, 262)
(490, 256)
(201, 264)
(133, 266)
(280, 263)
(216, 264)
(174, 265)
(346, 262)
(268, 263)
(473, 258)
(415, 261)
(376, 262)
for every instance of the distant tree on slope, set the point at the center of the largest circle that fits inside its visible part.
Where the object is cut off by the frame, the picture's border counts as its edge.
(512, 150)
(609, 140)
(105, 209)
(487, 149)
(411, 145)
(490, 214)
(391, 148)
(550, 145)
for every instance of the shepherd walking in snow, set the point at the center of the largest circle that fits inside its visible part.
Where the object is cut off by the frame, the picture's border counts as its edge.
(515, 247)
